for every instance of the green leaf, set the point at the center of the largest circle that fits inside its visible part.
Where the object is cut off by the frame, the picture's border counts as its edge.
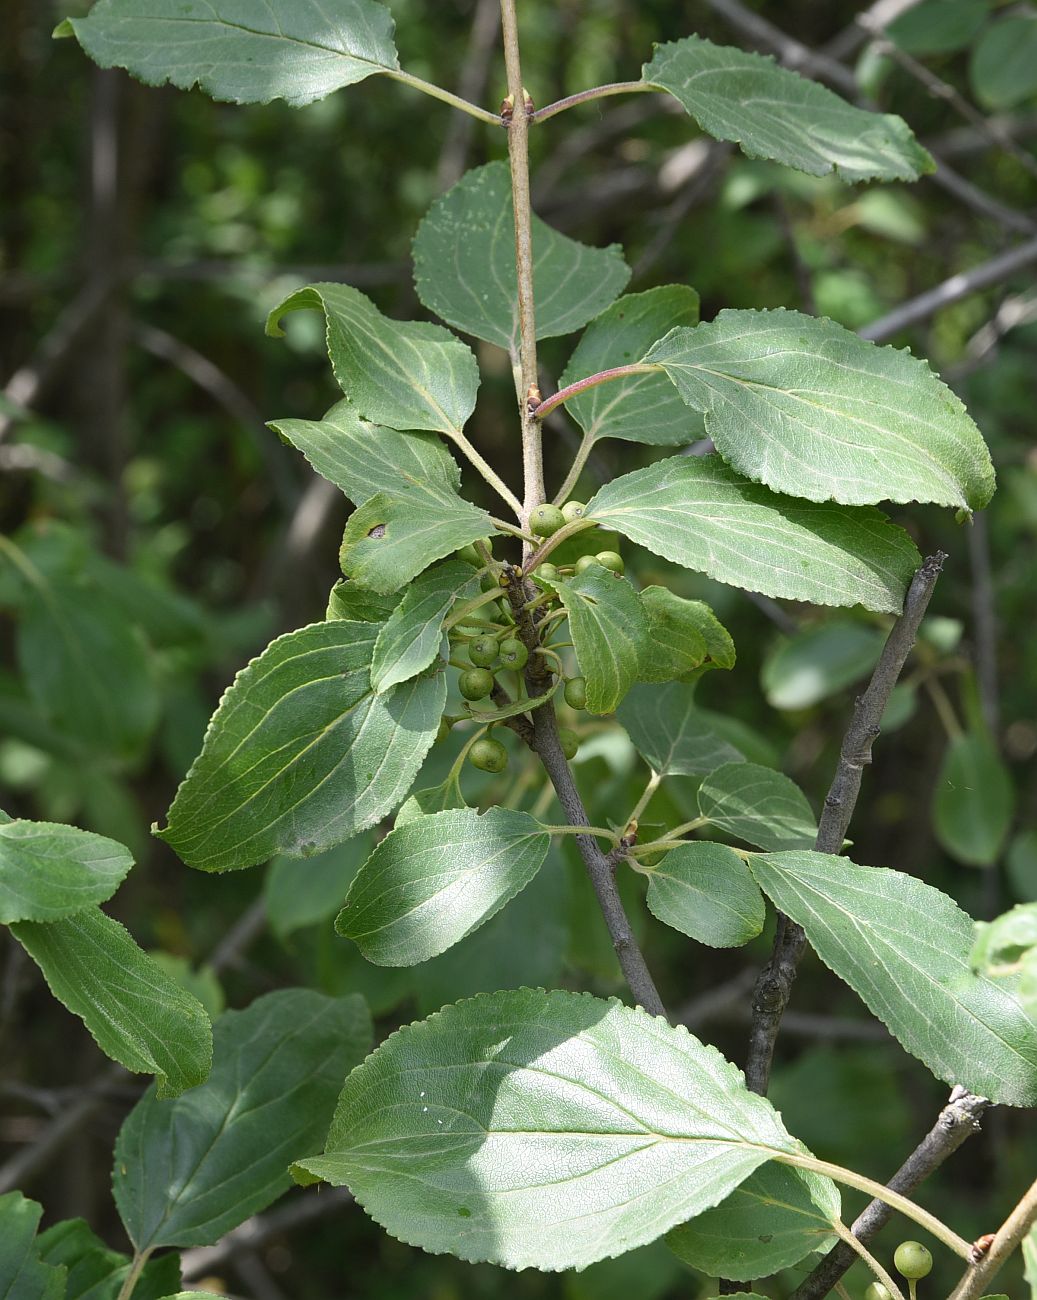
(520, 1120)
(404, 374)
(974, 801)
(436, 879)
(938, 26)
(773, 113)
(811, 409)
(609, 631)
(431, 799)
(409, 641)
(362, 459)
(758, 805)
(22, 1274)
(1021, 865)
(358, 604)
(135, 1012)
(818, 661)
(242, 51)
(670, 733)
(675, 645)
(301, 754)
(1003, 65)
(904, 948)
(47, 870)
(97, 1273)
(87, 669)
(464, 265)
(708, 893)
(698, 513)
(638, 408)
(777, 1216)
(526, 704)
(297, 894)
(393, 538)
(1006, 948)
(188, 1171)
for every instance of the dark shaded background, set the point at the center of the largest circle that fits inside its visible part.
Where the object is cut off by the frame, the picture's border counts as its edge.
(143, 235)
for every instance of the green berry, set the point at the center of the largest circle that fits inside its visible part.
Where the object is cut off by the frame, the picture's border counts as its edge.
(585, 562)
(513, 654)
(611, 560)
(877, 1292)
(573, 510)
(548, 572)
(488, 582)
(483, 651)
(576, 692)
(545, 520)
(912, 1260)
(488, 755)
(475, 683)
(570, 741)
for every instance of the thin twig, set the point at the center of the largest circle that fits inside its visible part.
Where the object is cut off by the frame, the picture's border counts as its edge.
(957, 1122)
(953, 289)
(774, 986)
(1006, 1240)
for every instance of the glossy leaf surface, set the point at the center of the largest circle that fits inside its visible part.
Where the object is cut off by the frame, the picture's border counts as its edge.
(772, 1221)
(698, 513)
(464, 265)
(811, 409)
(708, 893)
(638, 408)
(404, 374)
(362, 459)
(302, 754)
(410, 638)
(135, 1012)
(495, 1129)
(244, 51)
(436, 879)
(48, 870)
(773, 113)
(188, 1171)
(609, 631)
(394, 537)
(670, 733)
(904, 948)
(22, 1274)
(758, 805)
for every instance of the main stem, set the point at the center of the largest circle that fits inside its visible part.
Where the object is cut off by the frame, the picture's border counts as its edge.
(526, 367)
(544, 739)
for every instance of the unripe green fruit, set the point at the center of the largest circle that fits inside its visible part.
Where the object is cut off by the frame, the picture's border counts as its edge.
(912, 1260)
(545, 520)
(488, 755)
(548, 572)
(573, 510)
(576, 692)
(488, 582)
(611, 560)
(475, 683)
(483, 651)
(570, 741)
(877, 1292)
(585, 562)
(513, 654)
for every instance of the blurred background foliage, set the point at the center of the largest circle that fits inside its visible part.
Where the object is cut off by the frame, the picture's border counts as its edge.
(154, 534)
